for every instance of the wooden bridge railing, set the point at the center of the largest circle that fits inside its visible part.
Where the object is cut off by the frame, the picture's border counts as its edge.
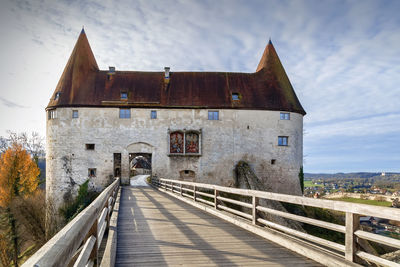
(78, 242)
(210, 196)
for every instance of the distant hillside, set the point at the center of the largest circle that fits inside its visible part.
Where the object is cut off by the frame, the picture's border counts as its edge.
(347, 175)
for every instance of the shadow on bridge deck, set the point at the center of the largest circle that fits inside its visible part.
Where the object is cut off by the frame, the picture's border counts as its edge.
(155, 229)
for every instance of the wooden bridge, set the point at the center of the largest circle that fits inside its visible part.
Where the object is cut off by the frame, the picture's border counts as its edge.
(191, 224)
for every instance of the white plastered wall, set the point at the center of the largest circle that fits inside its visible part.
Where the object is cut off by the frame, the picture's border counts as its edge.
(250, 135)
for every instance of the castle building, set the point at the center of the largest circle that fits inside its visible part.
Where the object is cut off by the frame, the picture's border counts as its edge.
(193, 126)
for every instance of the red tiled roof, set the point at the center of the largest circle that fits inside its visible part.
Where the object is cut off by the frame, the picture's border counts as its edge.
(83, 84)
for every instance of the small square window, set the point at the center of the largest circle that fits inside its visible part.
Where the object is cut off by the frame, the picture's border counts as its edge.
(52, 114)
(273, 161)
(75, 114)
(92, 172)
(124, 95)
(283, 140)
(57, 96)
(213, 115)
(285, 116)
(124, 113)
(235, 96)
(153, 114)
(89, 146)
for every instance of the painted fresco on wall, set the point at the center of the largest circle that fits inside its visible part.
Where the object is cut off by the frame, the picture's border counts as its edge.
(176, 142)
(192, 143)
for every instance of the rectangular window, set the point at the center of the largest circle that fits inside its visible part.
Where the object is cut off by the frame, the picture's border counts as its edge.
(92, 172)
(213, 115)
(283, 140)
(235, 96)
(89, 146)
(74, 114)
(153, 114)
(52, 114)
(124, 113)
(285, 116)
(124, 95)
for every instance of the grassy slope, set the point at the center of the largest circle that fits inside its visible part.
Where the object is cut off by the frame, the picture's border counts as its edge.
(365, 201)
(311, 184)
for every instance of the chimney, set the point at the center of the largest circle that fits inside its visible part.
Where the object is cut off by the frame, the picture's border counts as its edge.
(111, 70)
(110, 73)
(166, 74)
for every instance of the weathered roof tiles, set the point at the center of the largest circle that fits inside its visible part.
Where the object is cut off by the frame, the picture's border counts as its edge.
(83, 84)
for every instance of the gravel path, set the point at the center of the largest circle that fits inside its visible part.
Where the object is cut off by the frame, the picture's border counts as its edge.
(139, 180)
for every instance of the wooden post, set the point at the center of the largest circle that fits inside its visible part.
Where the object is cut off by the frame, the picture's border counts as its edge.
(94, 231)
(254, 209)
(352, 225)
(181, 188)
(108, 215)
(215, 198)
(194, 193)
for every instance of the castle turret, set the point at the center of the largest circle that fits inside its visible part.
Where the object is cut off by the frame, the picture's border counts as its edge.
(281, 90)
(79, 73)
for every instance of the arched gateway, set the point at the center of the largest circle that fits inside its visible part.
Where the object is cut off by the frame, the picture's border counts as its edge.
(140, 158)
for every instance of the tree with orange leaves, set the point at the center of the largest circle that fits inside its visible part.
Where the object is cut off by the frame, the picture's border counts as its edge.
(18, 178)
(18, 174)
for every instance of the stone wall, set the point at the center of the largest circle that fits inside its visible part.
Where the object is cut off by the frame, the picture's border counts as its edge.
(249, 135)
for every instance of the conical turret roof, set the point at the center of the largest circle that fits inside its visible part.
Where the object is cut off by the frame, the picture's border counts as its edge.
(80, 70)
(271, 68)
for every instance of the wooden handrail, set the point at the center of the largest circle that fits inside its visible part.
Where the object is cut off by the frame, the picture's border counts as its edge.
(352, 210)
(83, 233)
(368, 210)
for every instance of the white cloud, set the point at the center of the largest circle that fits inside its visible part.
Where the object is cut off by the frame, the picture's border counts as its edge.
(343, 59)
(356, 127)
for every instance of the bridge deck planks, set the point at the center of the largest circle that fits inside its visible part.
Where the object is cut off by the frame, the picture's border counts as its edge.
(155, 229)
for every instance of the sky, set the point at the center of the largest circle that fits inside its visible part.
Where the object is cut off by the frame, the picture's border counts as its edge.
(342, 58)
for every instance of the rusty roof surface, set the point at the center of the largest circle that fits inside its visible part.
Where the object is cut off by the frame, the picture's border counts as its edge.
(83, 84)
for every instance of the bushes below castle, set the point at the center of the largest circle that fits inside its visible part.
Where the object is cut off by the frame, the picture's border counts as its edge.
(72, 207)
